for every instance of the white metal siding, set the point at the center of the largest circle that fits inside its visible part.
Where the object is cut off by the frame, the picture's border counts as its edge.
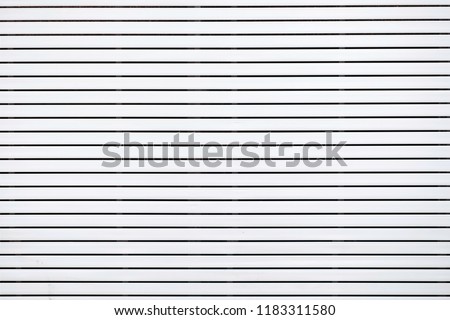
(75, 74)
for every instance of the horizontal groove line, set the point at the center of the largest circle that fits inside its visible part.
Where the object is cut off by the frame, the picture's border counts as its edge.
(220, 48)
(230, 295)
(230, 213)
(223, 90)
(234, 117)
(225, 6)
(226, 241)
(228, 159)
(227, 295)
(224, 268)
(211, 281)
(221, 20)
(226, 186)
(216, 103)
(231, 76)
(229, 254)
(227, 62)
(209, 131)
(224, 172)
(231, 145)
(224, 34)
(227, 48)
(224, 227)
(222, 200)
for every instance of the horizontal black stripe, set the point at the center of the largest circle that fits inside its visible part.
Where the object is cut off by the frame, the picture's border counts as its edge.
(228, 254)
(226, 62)
(228, 117)
(227, 213)
(210, 281)
(224, 34)
(226, 159)
(221, 20)
(223, 90)
(221, 200)
(227, 48)
(209, 131)
(234, 186)
(228, 76)
(37, 145)
(224, 172)
(229, 240)
(224, 268)
(230, 7)
(224, 227)
(214, 103)
(228, 295)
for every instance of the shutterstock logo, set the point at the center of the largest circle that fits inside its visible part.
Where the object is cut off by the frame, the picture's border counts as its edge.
(186, 150)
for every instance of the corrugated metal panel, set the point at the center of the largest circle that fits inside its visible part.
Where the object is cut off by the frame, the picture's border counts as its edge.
(77, 74)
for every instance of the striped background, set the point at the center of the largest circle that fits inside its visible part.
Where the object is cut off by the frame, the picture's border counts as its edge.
(75, 74)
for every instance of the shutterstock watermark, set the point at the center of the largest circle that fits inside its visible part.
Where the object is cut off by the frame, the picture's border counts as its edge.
(184, 150)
